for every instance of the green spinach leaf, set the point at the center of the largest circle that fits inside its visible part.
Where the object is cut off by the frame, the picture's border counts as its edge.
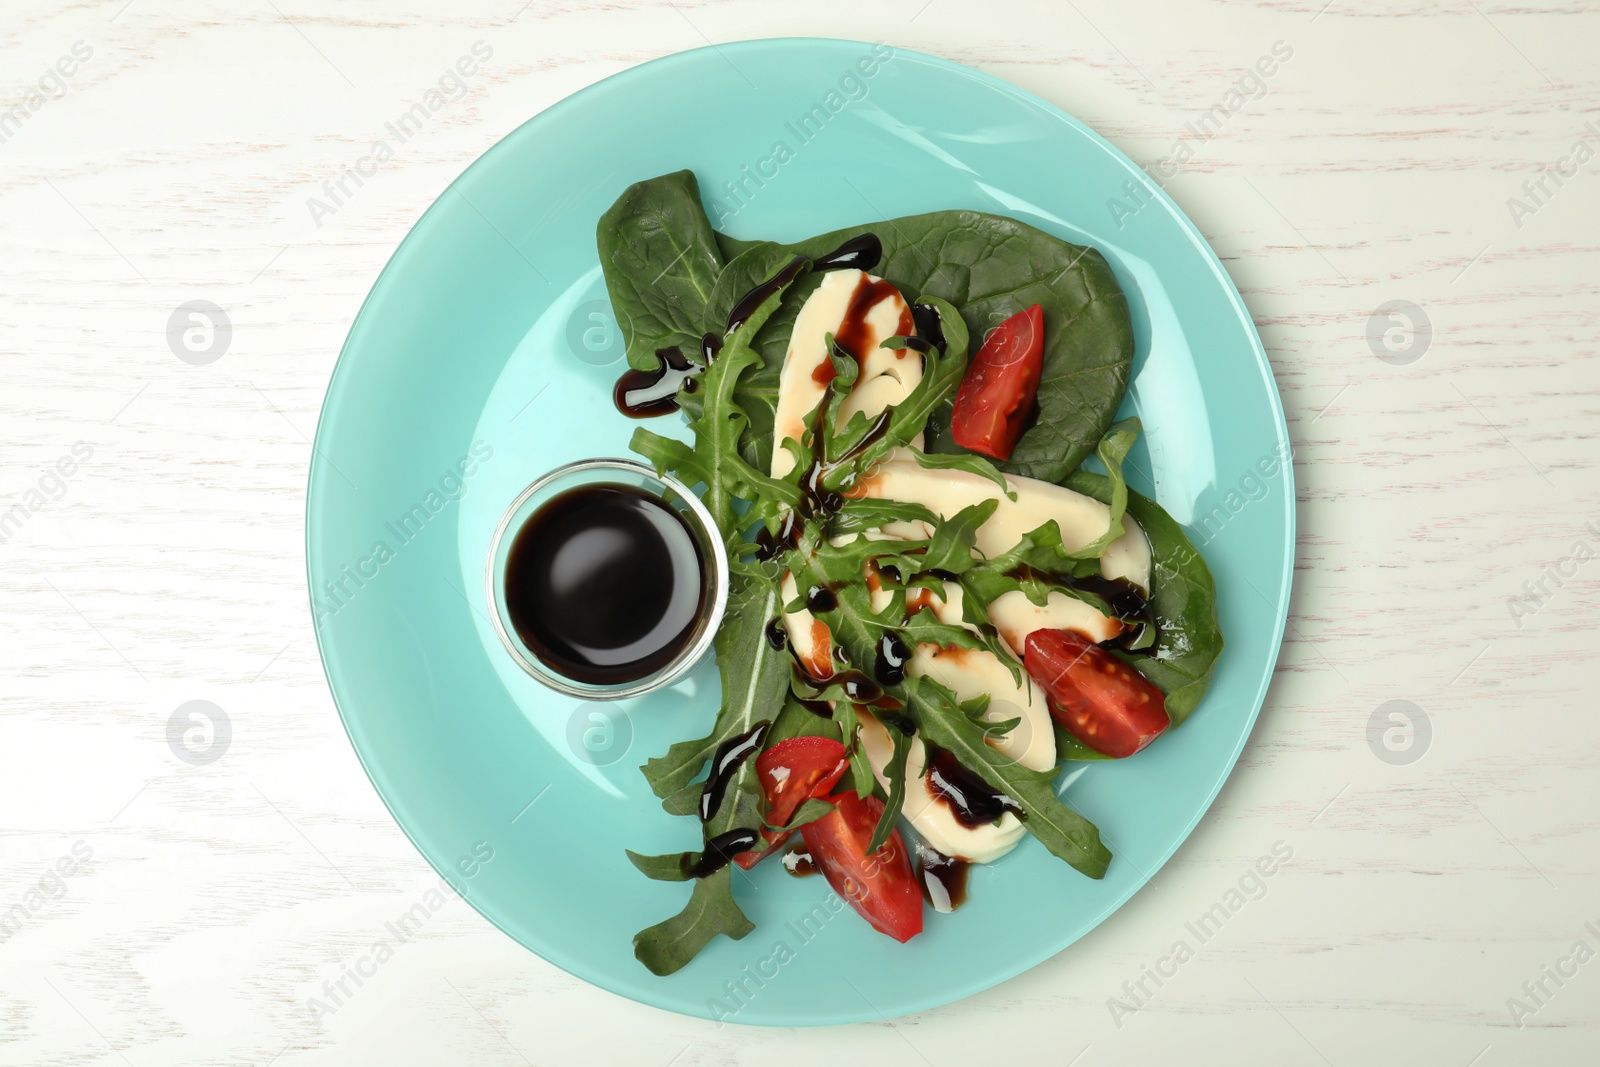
(661, 261)
(1183, 598)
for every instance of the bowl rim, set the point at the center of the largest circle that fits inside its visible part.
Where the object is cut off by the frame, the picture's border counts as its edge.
(703, 526)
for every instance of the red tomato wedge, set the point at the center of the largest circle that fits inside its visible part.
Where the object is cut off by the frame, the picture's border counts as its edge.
(996, 396)
(882, 887)
(1101, 700)
(791, 772)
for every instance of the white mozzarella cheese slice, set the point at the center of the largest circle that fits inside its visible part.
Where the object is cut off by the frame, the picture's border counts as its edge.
(887, 375)
(930, 815)
(1015, 616)
(1081, 519)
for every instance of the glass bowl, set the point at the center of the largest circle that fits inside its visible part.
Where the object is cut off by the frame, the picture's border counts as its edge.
(588, 472)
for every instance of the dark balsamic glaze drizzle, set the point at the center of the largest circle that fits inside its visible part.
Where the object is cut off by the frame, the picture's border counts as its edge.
(730, 756)
(719, 852)
(930, 331)
(860, 689)
(798, 861)
(903, 723)
(893, 655)
(771, 545)
(1128, 604)
(970, 799)
(850, 339)
(750, 301)
(777, 634)
(818, 500)
(944, 878)
(710, 347)
(644, 394)
(820, 708)
(820, 598)
(1126, 600)
(861, 252)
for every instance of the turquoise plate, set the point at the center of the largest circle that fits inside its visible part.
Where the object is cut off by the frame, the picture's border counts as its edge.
(485, 356)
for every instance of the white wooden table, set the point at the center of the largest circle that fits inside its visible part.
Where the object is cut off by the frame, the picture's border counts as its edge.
(1435, 869)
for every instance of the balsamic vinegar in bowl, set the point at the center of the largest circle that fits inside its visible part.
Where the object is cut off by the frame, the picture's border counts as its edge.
(606, 580)
(604, 584)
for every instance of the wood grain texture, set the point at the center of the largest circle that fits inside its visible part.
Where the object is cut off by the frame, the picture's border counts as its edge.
(1375, 166)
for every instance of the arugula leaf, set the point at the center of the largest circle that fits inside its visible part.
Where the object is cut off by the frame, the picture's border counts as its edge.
(950, 549)
(845, 370)
(941, 377)
(862, 780)
(1112, 451)
(924, 628)
(668, 454)
(673, 772)
(895, 771)
(900, 424)
(982, 633)
(1182, 598)
(685, 801)
(755, 678)
(661, 262)
(1041, 549)
(672, 867)
(970, 462)
(974, 709)
(757, 391)
(1063, 831)
(870, 513)
(718, 462)
(1040, 563)
(667, 946)
(809, 812)
(851, 621)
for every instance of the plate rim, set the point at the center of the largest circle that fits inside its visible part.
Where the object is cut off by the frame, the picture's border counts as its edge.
(580, 968)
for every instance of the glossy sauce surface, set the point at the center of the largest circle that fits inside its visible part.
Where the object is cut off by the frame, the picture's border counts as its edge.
(730, 756)
(747, 304)
(944, 878)
(644, 394)
(719, 851)
(604, 584)
(970, 799)
(861, 252)
(798, 861)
